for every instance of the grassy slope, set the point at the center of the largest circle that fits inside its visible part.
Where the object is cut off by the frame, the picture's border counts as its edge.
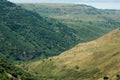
(82, 18)
(87, 61)
(26, 35)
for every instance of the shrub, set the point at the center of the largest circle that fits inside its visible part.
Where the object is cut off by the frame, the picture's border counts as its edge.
(76, 67)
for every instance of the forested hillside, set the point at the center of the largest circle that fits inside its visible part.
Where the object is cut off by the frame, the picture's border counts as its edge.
(25, 34)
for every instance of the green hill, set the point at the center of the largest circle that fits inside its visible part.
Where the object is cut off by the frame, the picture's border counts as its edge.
(93, 60)
(25, 34)
(87, 21)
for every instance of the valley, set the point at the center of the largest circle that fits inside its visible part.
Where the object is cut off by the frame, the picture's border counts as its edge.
(58, 42)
